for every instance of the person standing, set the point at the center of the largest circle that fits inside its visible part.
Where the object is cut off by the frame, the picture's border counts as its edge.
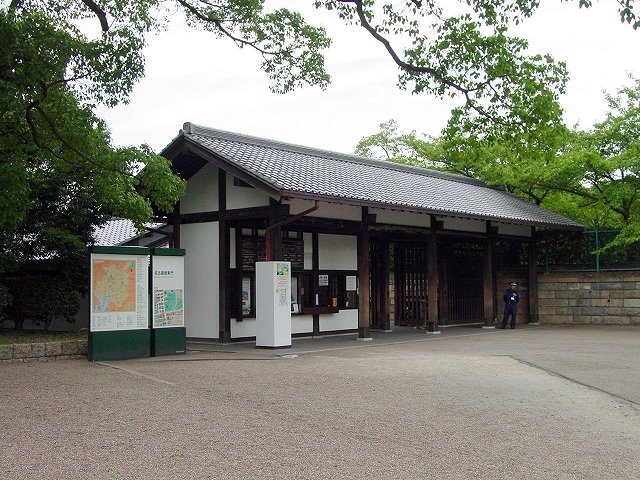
(511, 299)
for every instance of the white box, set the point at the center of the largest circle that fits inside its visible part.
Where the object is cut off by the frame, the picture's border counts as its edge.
(273, 304)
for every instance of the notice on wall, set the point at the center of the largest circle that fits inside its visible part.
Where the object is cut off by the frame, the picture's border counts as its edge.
(323, 280)
(119, 291)
(351, 284)
(168, 291)
(246, 295)
(283, 282)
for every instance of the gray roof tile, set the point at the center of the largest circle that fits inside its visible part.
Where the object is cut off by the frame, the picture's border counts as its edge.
(300, 171)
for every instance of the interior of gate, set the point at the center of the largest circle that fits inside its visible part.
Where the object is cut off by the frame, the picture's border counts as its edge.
(461, 274)
(399, 283)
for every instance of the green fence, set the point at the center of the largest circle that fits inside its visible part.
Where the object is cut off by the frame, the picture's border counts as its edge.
(582, 251)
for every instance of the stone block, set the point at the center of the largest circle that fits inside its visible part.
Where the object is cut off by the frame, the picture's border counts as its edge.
(37, 350)
(593, 311)
(607, 285)
(22, 350)
(616, 320)
(546, 294)
(6, 352)
(83, 347)
(555, 302)
(53, 349)
(556, 319)
(600, 302)
(553, 286)
(594, 294)
(632, 302)
(625, 294)
(573, 286)
(70, 347)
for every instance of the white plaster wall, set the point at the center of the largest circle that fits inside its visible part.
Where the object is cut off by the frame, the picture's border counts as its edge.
(337, 252)
(244, 197)
(394, 217)
(201, 278)
(325, 210)
(201, 194)
(302, 324)
(343, 320)
(464, 225)
(247, 327)
(511, 229)
(308, 250)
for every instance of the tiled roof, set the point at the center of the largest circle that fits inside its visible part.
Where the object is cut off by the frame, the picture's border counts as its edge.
(303, 172)
(118, 231)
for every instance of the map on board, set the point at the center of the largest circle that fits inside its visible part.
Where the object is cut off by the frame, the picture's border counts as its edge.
(114, 286)
(168, 308)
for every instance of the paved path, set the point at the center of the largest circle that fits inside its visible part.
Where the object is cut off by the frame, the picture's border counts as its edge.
(534, 403)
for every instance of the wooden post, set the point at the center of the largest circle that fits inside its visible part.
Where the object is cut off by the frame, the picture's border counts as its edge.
(274, 239)
(488, 281)
(364, 307)
(313, 285)
(533, 279)
(224, 320)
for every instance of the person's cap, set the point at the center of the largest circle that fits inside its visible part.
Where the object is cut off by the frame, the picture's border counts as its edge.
(513, 284)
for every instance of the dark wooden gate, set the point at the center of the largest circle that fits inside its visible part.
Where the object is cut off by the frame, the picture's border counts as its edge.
(379, 284)
(410, 269)
(461, 274)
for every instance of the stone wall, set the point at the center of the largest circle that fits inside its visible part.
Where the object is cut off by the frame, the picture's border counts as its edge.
(611, 298)
(43, 352)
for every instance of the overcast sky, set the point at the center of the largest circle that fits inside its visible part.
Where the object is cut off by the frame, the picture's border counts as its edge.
(192, 76)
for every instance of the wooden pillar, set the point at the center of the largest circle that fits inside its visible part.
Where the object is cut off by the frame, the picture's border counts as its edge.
(433, 279)
(364, 320)
(224, 319)
(315, 269)
(174, 242)
(276, 233)
(488, 281)
(533, 279)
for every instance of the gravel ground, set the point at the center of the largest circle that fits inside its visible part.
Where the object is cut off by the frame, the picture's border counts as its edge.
(539, 403)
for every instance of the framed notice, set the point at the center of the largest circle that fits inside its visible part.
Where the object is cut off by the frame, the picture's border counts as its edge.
(119, 291)
(168, 291)
(350, 283)
(323, 280)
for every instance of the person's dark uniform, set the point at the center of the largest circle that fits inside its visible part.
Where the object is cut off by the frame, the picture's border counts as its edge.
(511, 299)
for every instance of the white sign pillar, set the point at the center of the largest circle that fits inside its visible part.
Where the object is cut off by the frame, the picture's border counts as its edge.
(273, 304)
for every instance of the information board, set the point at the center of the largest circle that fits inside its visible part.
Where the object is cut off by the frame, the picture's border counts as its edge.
(167, 279)
(119, 292)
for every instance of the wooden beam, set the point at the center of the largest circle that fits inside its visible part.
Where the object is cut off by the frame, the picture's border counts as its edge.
(200, 217)
(364, 320)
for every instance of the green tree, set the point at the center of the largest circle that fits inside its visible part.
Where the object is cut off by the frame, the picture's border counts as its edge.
(462, 49)
(60, 174)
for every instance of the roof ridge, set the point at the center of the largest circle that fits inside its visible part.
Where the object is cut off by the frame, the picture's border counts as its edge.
(193, 129)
